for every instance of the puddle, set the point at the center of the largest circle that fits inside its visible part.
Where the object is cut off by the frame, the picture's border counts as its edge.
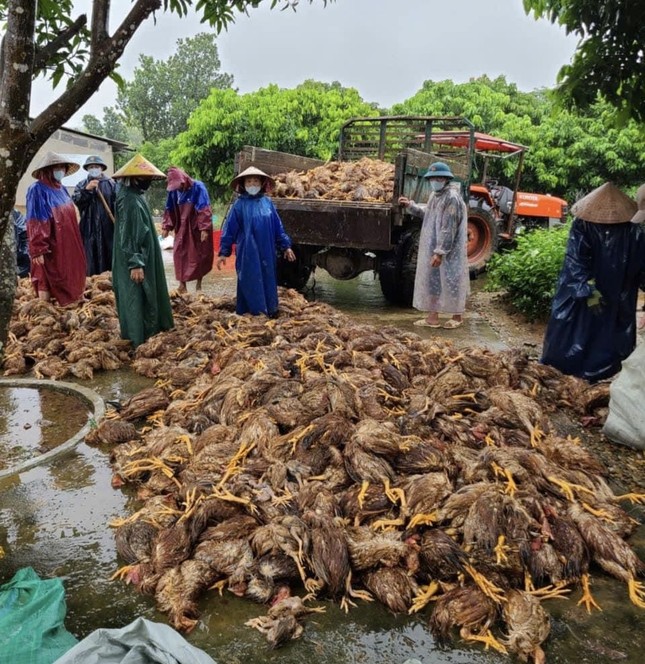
(35, 421)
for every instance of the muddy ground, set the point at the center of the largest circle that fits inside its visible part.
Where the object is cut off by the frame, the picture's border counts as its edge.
(626, 466)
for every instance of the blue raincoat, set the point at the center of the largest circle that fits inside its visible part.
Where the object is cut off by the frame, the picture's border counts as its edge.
(592, 342)
(254, 226)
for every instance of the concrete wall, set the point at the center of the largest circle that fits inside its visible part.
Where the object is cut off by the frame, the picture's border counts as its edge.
(76, 147)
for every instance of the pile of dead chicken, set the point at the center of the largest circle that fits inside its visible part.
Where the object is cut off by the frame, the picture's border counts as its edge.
(310, 452)
(65, 342)
(366, 180)
(358, 463)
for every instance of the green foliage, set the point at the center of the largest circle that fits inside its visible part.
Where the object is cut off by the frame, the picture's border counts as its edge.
(305, 120)
(609, 57)
(111, 126)
(570, 152)
(163, 93)
(529, 273)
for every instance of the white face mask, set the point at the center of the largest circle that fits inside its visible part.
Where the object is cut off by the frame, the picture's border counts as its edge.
(252, 190)
(437, 185)
(59, 174)
(94, 172)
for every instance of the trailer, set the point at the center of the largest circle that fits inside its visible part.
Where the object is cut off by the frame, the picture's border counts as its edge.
(346, 238)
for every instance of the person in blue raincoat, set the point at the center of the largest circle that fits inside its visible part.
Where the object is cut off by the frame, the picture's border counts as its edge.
(255, 228)
(592, 327)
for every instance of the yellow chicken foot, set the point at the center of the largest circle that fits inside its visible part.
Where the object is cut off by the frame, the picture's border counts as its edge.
(636, 592)
(219, 586)
(587, 598)
(534, 390)
(345, 604)
(122, 572)
(501, 549)
(528, 583)
(295, 439)
(555, 591)
(567, 488)
(394, 494)
(362, 493)
(387, 524)
(423, 597)
(232, 498)
(601, 514)
(313, 587)
(284, 499)
(463, 397)
(489, 441)
(635, 498)
(356, 594)
(487, 587)
(536, 436)
(422, 520)
(511, 487)
(486, 637)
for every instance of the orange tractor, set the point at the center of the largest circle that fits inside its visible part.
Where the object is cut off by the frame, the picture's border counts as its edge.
(495, 212)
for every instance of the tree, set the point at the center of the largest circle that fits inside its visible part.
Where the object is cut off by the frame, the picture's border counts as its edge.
(42, 38)
(609, 59)
(569, 151)
(163, 93)
(111, 126)
(305, 120)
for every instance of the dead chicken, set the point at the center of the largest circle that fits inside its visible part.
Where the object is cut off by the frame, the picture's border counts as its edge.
(392, 586)
(523, 409)
(281, 624)
(112, 432)
(527, 624)
(328, 554)
(469, 609)
(144, 403)
(610, 551)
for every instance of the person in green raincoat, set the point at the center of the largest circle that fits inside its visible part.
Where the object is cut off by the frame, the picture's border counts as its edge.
(138, 276)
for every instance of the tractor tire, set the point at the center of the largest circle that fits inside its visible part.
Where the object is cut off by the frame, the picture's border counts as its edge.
(483, 238)
(293, 275)
(398, 269)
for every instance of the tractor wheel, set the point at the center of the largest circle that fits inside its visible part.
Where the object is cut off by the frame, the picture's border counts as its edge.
(483, 237)
(294, 275)
(398, 270)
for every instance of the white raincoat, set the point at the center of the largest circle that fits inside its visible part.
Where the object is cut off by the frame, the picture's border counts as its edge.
(444, 231)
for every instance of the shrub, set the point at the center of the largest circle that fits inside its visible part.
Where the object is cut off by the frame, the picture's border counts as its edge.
(529, 272)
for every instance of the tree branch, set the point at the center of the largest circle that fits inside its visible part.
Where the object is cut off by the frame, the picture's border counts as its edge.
(98, 69)
(17, 63)
(45, 54)
(100, 20)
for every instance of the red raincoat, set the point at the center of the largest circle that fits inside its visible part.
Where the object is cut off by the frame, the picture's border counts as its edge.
(188, 212)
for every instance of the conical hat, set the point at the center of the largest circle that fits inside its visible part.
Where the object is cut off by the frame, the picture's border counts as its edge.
(55, 159)
(639, 217)
(605, 205)
(139, 167)
(251, 170)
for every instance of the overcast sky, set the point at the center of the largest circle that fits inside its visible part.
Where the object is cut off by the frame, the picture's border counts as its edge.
(385, 49)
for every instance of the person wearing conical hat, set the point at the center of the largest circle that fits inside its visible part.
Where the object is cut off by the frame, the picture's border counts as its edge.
(254, 226)
(138, 276)
(55, 244)
(188, 215)
(592, 327)
(95, 198)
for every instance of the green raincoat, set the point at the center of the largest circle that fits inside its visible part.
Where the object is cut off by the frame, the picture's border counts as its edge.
(143, 309)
